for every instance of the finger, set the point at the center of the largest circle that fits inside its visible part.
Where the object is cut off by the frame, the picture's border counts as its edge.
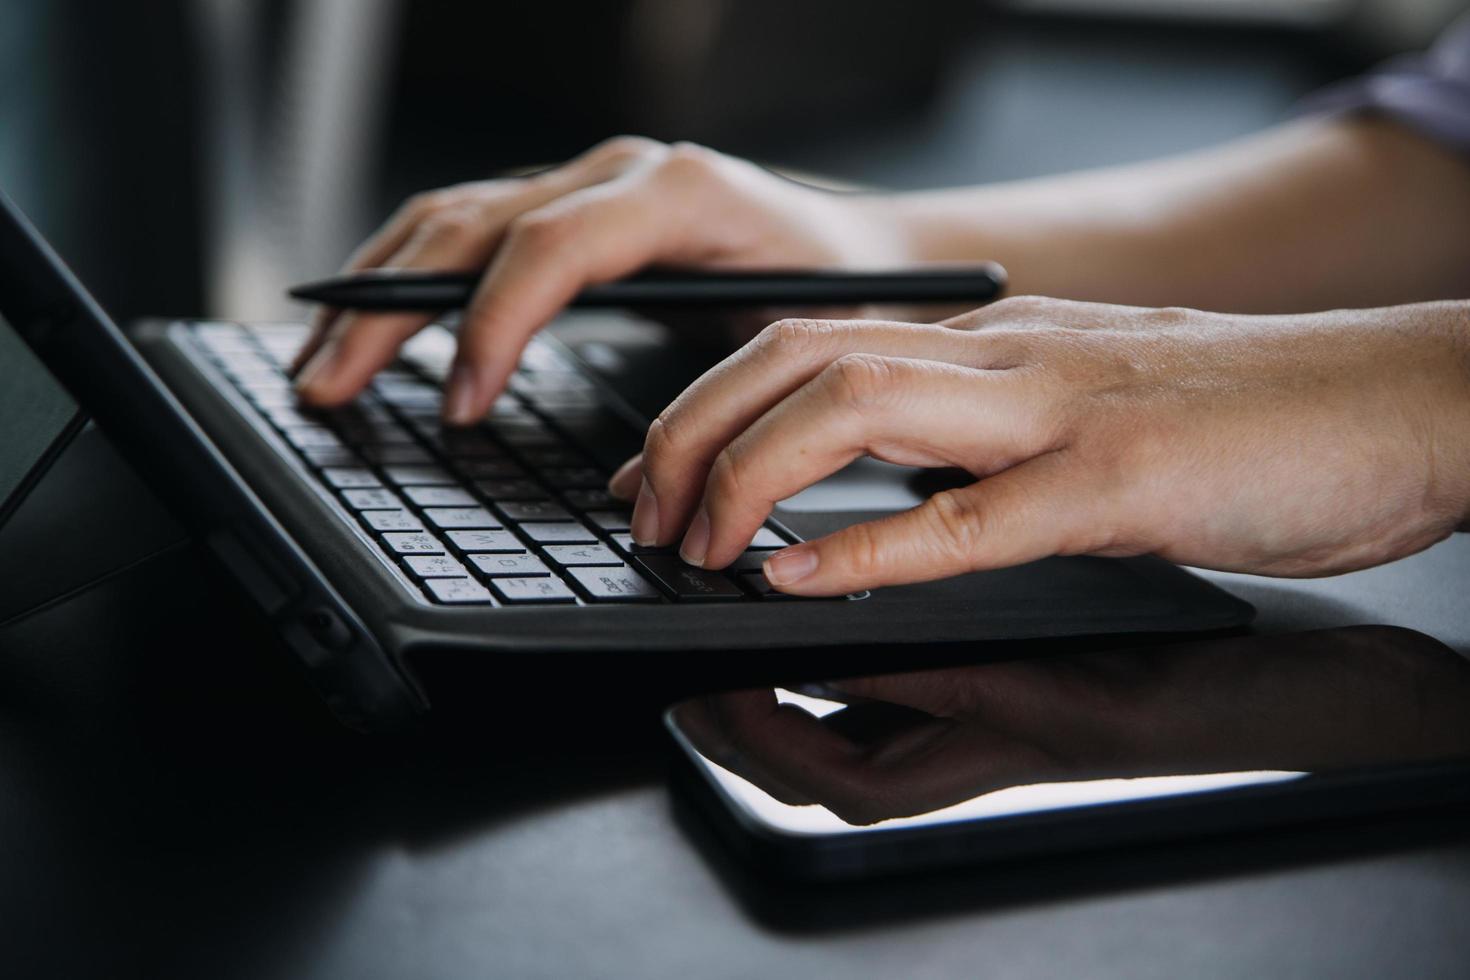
(379, 248)
(361, 344)
(900, 410)
(497, 202)
(594, 235)
(1030, 313)
(1044, 506)
(625, 482)
(320, 325)
(684, 440)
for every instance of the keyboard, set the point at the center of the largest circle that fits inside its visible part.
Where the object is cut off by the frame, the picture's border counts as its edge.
(512, 511)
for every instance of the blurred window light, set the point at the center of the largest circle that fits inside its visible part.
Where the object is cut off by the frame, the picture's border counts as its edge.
(1307, 13)
(1377, 26)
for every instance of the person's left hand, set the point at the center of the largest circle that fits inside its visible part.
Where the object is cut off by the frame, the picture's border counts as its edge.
(1302, 445)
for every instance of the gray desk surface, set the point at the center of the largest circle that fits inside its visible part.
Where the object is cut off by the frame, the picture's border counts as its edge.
(172, 803)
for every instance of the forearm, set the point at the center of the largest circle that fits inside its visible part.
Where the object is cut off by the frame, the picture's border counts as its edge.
(1310, 216)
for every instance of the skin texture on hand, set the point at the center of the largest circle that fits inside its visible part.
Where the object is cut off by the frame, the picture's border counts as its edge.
(1314, 215)
(623, 205)
(1289, 445)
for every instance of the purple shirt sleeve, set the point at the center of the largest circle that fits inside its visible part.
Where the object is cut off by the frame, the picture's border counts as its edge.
(1429, 93)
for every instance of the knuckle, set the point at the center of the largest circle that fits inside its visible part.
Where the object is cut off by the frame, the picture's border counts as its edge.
(422, 204)
(795, 337)
(540, 231)
(659, 444)
(954, 524)
(1023, 308)
(452, 224)
(862, 381)
(862, 552)
(626, 147)
(689, 162)
(726, 476)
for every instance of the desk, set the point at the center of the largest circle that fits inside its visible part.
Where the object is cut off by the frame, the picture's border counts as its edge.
(173, 802)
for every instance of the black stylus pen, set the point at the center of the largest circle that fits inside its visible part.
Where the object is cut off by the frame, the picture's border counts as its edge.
(386, 289)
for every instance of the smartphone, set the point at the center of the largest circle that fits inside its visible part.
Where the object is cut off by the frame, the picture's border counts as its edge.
(943, 768)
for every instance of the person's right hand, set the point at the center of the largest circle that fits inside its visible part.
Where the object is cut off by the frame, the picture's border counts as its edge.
(1296, 445)
(625, 204)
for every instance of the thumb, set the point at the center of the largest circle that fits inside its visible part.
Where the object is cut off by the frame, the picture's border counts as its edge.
(1040, 508)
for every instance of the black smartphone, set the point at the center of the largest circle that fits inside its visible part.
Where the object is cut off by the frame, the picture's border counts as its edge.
(943, 768)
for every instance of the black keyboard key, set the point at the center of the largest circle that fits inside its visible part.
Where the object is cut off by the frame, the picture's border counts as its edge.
(434, 566)
(611, 520)
(282, 397)
(552, 402)
(312, 437)
(592, 499)
(625, 541)
(373, 499)
(464, 442)
(419, 475)
(457, 590)
(334, 456)
(620, 584)
(485, 541)
(498, 490)
(460, 517)
(415, 393)
(391, 520)
(558, 456)
(413, 543)
(534, 510)
(524, 433)
(574, 477)
(687, 581)
(489, 469)
(582, 554)
(523, 383)
(541, 356)
(357, 412)
(606, 438)
(440, 496)
(362, 432)
(532, 590)
(349, 477)
(518, 565)
(285, 418)
(398, 455)
(756, 582)
(569, 533)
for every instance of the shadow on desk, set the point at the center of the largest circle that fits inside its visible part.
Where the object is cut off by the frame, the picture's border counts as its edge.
(175, 795)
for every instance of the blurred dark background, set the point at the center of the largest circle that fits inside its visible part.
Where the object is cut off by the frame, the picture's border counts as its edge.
(193, 156)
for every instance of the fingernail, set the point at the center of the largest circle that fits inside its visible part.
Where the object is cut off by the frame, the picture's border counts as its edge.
(459, 396)
(645, 517)
(317, 372)
(696, 539)
(790, 566)
(621, 485)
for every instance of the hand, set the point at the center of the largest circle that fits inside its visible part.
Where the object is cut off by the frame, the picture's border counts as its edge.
(625, 204)
(1305, 445)
(1333, 699)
